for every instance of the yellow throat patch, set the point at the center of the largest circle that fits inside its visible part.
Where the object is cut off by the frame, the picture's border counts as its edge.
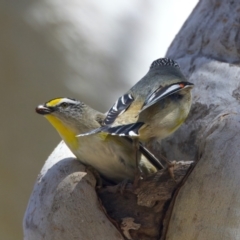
(67, 134)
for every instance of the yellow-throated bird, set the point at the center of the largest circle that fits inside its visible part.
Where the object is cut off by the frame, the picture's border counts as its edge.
(112, 156)
(154, 107)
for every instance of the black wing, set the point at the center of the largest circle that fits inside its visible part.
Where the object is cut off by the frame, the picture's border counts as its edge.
(120, 106)
(129, 130)
(163, 92)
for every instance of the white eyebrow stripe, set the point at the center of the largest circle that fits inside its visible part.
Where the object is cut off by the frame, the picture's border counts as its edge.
(67, 100)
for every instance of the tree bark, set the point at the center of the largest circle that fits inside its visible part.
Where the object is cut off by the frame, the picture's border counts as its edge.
(64, 204)
(207, 49)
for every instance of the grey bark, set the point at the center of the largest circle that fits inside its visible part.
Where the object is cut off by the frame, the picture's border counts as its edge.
(207, 48)
(207, 205)
(64, 203)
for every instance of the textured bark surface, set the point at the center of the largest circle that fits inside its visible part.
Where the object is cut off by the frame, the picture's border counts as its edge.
(145, 206)
(208, 50)
(64, 203)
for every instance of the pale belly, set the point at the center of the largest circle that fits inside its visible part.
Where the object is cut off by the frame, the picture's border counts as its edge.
(106, 158)
(162, 125)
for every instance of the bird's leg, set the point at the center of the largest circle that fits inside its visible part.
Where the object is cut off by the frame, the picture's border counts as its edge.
(150, 157)
(137, 159)
(169, 164)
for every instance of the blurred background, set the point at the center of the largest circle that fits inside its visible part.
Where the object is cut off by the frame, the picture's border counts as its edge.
(93, 51)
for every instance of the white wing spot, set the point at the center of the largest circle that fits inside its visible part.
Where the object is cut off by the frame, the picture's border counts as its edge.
(132, 133)
(67, 100)
(115, 106)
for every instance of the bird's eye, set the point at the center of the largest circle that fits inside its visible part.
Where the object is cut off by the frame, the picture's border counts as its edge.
(64, 105)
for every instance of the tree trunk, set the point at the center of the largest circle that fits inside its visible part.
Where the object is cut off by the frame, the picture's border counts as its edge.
(207, 49)
(64, 204)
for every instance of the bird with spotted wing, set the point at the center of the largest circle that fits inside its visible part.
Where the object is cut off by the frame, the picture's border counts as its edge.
(112, 156)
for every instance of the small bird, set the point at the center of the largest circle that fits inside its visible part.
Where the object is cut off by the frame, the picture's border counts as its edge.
(153, 108)
(112, 156)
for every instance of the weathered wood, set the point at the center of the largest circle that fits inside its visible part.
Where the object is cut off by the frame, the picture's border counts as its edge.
(145, 206)
(208, 50)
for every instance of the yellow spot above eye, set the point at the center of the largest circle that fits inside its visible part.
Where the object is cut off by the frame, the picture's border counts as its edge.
(53, 102)
(67, 134)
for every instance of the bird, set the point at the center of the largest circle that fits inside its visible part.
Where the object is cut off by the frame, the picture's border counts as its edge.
(112, 156)
(153, 108)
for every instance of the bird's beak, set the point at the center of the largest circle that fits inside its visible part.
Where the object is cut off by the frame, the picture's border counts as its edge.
(43, 110)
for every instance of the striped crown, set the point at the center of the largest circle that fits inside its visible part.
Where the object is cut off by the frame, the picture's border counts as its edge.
(164, 62)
